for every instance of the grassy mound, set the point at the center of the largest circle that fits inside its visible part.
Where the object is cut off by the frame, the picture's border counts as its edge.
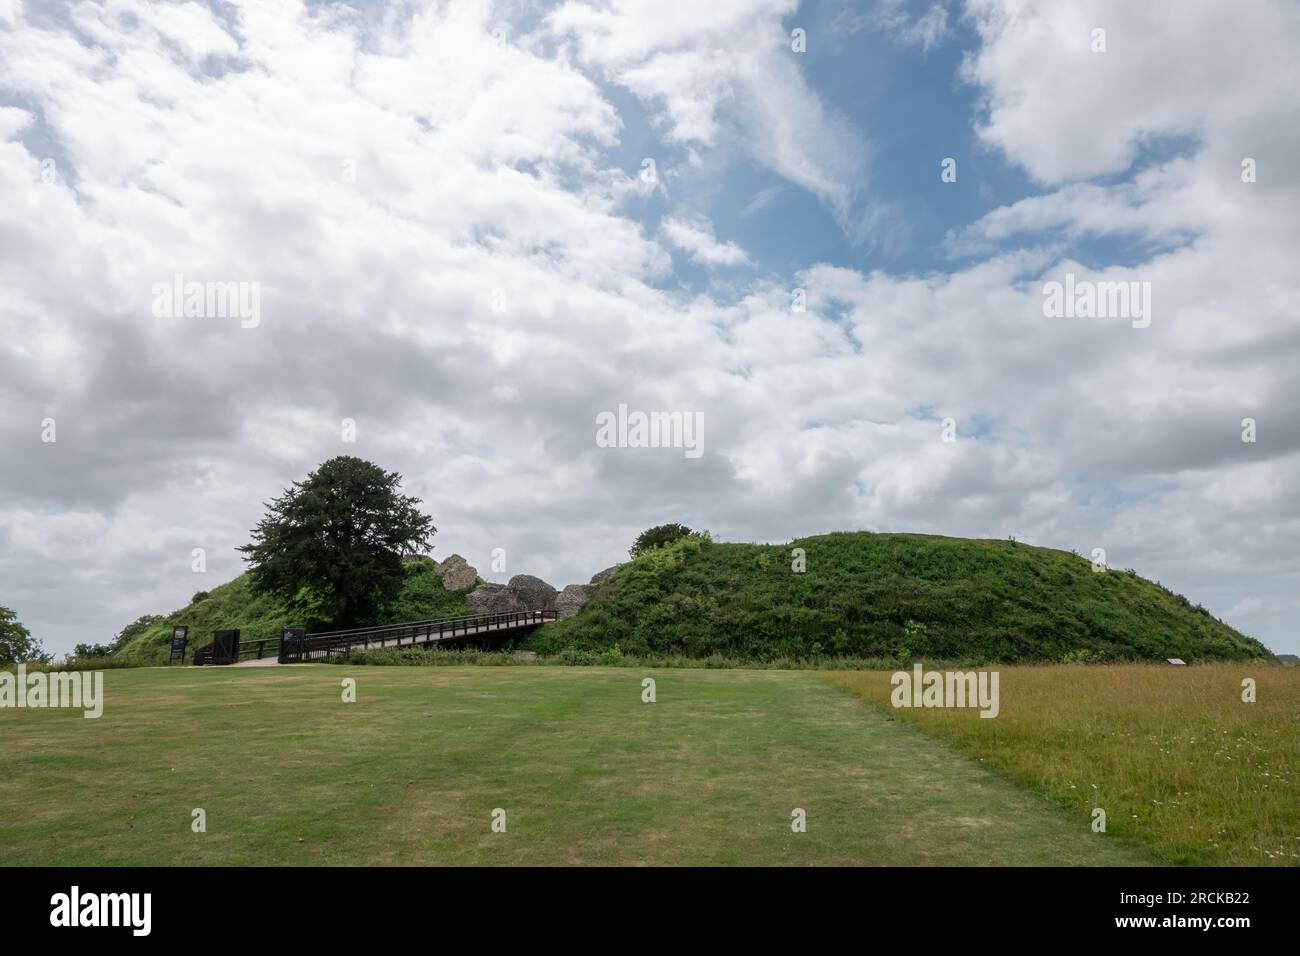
(900, 596)
(258, 617)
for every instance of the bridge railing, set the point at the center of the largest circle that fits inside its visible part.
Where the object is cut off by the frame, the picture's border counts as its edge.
(256, 650)
(315, 647)
(244, 651)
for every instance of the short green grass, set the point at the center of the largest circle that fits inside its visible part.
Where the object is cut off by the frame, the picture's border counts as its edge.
(1173, 755)
(586, 772)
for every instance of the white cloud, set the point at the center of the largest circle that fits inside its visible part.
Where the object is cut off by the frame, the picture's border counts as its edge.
(926, 30)
(696, 239)
(897, 20)
(1202, 70)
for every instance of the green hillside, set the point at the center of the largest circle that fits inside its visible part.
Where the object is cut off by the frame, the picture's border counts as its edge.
(899, 596)
(234, 604)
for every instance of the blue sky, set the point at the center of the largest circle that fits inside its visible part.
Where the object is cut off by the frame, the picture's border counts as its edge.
(876, 84)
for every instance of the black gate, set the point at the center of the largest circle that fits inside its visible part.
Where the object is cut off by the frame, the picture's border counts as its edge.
(225, 646)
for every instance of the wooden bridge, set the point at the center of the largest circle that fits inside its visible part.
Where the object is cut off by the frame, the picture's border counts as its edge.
(294, 646)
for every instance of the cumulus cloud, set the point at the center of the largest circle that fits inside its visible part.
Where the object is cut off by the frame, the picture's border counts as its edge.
(1205, 71)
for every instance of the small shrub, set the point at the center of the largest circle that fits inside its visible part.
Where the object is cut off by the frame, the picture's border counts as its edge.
(658, 537)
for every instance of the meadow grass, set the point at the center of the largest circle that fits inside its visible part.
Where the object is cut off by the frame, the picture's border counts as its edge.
(1173, 755)
(586, 772)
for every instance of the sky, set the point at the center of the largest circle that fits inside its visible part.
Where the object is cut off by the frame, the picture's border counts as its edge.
(463, 231)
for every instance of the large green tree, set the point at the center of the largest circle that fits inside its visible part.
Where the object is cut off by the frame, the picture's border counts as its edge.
(335, 541)
(16, 642)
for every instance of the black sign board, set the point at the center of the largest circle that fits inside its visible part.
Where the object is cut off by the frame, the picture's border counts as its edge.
(225, 646)
(291, 640)
(180, 635)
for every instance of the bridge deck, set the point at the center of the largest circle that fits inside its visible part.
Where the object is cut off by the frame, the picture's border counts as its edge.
(292, 647)
(420, 633)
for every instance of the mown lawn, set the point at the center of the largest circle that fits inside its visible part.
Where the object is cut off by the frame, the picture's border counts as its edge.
(1173, 755)
(586, 772)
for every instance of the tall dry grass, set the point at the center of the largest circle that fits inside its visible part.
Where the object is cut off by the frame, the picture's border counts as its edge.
(1172, 754)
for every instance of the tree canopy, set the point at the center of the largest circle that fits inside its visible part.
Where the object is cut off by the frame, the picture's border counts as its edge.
(16, 642)
(657, 537)
(334, 542)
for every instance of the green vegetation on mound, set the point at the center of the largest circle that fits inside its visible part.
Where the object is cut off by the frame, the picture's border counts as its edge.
(259, 617)
(900, 596)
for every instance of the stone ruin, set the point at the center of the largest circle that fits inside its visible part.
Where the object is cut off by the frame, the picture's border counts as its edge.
(524, 592)
(457, 574)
